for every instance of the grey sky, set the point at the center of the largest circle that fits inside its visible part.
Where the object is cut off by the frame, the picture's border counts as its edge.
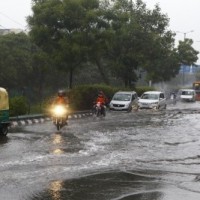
(183, 14)
(184, 17)
(13, 13)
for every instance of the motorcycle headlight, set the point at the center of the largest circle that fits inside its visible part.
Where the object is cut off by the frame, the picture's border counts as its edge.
(98, 104)
(59, 110)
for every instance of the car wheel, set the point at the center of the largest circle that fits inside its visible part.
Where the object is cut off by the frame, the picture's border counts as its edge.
(4, 130)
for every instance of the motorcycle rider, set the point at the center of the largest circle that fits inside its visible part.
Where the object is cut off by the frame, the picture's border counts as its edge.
(62, 99)
(103, 101)
(173, 97)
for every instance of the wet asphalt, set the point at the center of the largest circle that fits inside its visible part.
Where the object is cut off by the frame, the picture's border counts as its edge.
(142, 155)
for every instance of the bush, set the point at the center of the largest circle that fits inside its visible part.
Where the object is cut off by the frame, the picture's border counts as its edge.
(82, 97)
(140, 90)
(45, 106)
(18, 106)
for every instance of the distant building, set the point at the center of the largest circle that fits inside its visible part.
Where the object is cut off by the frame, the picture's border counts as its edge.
(189, 69)
(7, 31)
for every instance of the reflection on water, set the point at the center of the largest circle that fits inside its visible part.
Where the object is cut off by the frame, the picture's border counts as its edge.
(62, 143)
(106, 186)
(58, 141)
(54, 190)
(58, 151)
(142, 196)
(164, 142)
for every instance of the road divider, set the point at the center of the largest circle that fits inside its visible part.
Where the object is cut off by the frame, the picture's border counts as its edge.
(41, 118)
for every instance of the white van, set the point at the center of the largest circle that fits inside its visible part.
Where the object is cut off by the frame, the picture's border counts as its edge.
(187, 95)
(124, 100)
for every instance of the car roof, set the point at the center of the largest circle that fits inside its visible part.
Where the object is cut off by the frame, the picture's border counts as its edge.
(125, 92)
(153, 92)
(187, 90)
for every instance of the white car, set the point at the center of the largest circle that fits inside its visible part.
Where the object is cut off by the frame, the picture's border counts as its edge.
(187, 95)
(124, 100)
(152, 100)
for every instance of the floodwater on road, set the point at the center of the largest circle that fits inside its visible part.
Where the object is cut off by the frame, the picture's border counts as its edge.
(144, 155)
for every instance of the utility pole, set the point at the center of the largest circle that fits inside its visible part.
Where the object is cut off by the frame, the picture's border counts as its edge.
(185, 33)
(183, 67)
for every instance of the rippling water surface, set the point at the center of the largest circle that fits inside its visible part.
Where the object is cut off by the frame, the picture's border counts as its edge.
(152, 155)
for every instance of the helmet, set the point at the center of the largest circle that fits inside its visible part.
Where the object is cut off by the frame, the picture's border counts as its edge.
(61, 93)
(100, 93)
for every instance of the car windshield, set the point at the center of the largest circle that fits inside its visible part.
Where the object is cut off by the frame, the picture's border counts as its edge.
(187, 93)
(150, 96)
(122, 97)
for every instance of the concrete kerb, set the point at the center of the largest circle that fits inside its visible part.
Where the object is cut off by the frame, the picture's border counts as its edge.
(40, 118)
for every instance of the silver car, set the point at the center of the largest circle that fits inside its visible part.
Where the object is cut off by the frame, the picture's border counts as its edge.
(124, 100)
(152, 100)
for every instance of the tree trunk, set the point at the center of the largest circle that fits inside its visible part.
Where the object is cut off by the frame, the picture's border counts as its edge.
(102, 73)
(70, 78)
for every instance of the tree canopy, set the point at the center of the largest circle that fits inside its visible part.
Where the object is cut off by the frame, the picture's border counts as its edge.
(15, 59)
(187, 54)
(98, 40)
(119, 37)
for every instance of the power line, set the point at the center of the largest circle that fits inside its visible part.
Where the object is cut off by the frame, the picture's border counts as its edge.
(10, 19)
(2, 26)
(184, 33)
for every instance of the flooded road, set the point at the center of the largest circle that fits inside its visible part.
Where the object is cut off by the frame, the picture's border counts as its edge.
(144, 155)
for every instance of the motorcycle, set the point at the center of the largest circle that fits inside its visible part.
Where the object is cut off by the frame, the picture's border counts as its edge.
(60, 116)
(173, 98)
(99, 110)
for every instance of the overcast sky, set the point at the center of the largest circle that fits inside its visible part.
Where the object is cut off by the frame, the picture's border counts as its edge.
(184, 16)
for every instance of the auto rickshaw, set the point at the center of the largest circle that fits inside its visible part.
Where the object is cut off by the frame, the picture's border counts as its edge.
(4, 111)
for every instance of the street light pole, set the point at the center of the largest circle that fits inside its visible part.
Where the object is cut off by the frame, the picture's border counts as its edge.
(185, 33)
(184, 37)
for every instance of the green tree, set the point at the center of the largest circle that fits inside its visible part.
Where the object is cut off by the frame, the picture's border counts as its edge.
(41, 70)
(62, 29)
(15, 59)
(25, 68)
(119, 38)
(187, 54)
(99, 37)
(142, 40)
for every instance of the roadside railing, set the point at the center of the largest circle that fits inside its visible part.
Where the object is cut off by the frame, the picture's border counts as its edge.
(37, 118)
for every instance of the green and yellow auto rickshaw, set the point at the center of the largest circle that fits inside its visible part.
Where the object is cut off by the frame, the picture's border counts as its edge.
(4, 111)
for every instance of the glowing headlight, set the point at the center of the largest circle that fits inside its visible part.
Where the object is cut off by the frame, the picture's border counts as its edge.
(59, 110)
(98, 104)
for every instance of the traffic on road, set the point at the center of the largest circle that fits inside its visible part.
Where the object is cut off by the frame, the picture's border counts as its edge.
(144, 154)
